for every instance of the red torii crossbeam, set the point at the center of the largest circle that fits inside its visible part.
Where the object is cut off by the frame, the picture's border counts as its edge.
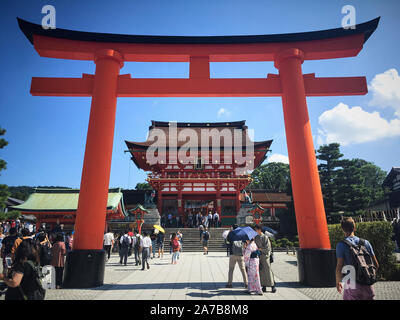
(109, 51)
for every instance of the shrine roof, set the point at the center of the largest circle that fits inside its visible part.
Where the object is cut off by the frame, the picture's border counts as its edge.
(30, 29)
(63, 200)
(198, 128)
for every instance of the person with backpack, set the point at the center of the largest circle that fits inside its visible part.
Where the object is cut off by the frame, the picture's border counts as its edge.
(58, 252)
(206, 237)
(125, 243)
(23, 278)
(136, 247)
(7, 245)
(236, 256)
(359, 255)
(175, 248)
(43, 248)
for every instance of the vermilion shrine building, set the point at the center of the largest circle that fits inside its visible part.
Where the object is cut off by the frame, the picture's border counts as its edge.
(210, 178)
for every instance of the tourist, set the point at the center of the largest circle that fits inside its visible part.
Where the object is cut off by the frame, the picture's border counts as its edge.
(264, 246)
(153, 238)
(58, 252)
(169, 220)
(21, 279)
(197, 220)
(175, 248)
(190, 220)
(236, 256)
(206, 237)
(125, 242)
(145, 248)
(396, 233)
(160, 244)
(210, 220)
(43, 248)
(179, 235)
(108, 243)
(66, 241)
(344, 258)
(251, 261)
(7, 245)
(71, 240)
(25, 235)
(136, 247)
(216, 219)
(201, 230)
(2, 236)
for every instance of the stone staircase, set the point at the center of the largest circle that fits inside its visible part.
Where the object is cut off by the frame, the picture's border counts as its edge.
(191, 239)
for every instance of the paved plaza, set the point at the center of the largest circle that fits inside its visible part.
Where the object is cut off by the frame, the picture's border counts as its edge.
(202, 277)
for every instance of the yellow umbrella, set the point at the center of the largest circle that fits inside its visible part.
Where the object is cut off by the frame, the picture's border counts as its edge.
(159, 228)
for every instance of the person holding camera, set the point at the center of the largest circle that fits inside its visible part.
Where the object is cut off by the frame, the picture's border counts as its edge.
(22, 278)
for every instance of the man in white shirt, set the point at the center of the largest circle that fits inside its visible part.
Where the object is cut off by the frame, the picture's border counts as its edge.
(145, 247)
(108, 243)
(125, 242)
(216, 219)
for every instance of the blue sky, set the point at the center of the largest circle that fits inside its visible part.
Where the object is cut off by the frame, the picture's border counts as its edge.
(47, 135)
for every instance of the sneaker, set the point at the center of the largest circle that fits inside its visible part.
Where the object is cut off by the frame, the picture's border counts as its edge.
(273, 289)
(148, 266)
(264, 289)
(228, 286)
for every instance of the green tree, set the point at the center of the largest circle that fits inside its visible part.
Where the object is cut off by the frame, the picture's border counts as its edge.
(331, 155)
(4, 194)
(271, 176)
(143, 186)
(359, 184)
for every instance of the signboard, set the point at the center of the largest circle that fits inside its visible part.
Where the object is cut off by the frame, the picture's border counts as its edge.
(249, 219)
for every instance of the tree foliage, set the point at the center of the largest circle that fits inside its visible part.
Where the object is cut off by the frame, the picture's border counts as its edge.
(272, 176)
(143, 186)
(348, 185)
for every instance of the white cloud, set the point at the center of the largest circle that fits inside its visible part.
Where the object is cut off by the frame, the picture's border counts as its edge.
(223, 112)
(354, 125)
(385, 89)
(276, 157)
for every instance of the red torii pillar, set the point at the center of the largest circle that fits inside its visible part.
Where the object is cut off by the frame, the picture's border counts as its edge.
(315, 259)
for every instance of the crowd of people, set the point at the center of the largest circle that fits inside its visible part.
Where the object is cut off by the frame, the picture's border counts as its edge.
(143, 246)
(191, 220)
(23, 252)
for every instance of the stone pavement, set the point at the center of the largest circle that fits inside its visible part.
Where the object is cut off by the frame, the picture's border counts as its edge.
(200, 277)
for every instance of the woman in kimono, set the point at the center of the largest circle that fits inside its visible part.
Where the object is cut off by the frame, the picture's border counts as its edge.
(252, 267)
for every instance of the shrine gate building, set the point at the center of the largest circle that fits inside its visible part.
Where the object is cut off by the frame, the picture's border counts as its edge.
(201, 171)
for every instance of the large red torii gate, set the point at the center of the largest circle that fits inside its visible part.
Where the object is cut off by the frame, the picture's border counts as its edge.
(109, 51)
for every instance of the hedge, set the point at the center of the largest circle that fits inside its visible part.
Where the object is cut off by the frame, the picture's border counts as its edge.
(379, 234)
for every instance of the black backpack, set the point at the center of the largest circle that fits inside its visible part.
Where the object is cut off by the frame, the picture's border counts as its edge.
(206, 236)
(38, 292)
(45, 254)
(362, 261)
